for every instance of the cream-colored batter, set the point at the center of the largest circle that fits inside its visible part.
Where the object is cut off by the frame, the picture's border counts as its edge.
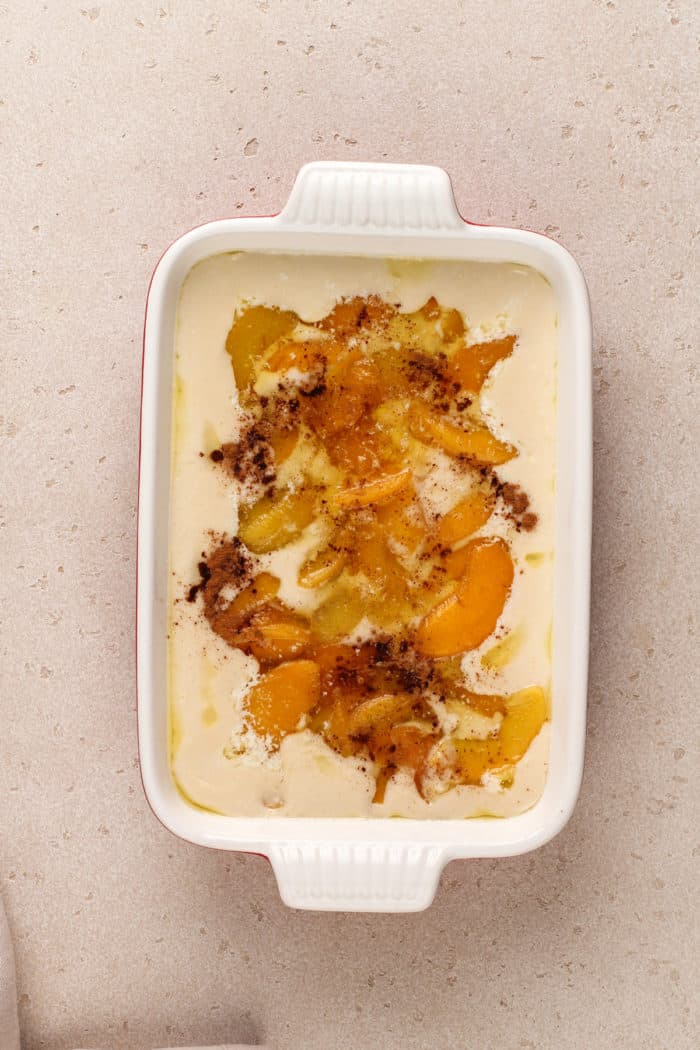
(207, 678)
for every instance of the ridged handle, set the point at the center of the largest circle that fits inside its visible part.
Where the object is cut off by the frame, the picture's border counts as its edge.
(348, 197)
(338, 877)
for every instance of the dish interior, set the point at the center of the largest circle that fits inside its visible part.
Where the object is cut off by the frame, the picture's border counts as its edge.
(362, 535)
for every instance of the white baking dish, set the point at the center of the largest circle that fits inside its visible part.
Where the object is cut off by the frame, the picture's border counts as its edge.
(360, 864)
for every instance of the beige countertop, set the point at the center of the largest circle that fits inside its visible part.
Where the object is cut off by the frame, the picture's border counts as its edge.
(121, 126)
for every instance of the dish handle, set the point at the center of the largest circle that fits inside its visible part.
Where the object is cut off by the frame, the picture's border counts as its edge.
(352, 877)
(346, 197)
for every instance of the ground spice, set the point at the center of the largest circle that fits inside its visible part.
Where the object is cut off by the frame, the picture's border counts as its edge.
(230, 564)
(514, 501)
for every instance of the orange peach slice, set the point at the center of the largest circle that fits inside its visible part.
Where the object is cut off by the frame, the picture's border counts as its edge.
(306, 356)
(228, 620)
(465, 517)
(470, 365)
(455, 563)
(488, 704)
(380, 785)
(350, 315)
(349, 389)
(377, 490)
(479, 445)
(362, 450)
(264, 587)
(274, 633)
(452, 325)
(451, 320)
(403, 519)
(336, 730)
(283, 443)
(476, 757)
(251, 333)
(468, 616)
(277, 703)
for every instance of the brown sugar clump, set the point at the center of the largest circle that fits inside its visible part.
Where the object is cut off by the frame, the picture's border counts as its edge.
(516, 504)
(229, 563)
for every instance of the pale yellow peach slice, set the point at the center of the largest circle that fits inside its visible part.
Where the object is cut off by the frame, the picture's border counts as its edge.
(339, 615)
(322, 568)
(526, 711)
(275, 521)
(465, 761)
(252, 332)
(381, 711)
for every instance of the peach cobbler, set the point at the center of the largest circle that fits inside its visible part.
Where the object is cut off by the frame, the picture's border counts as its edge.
(362, 514)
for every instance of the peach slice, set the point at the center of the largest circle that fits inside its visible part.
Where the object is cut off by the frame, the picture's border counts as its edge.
(349, 315)
(335, 729)
(252, 332)
(273, 633)
(462, 761)
(479, 445)
(274, 521)
(464, 619)
(323, 567)
(470, 365)
(351, 387)
(283, 443)
(338, 616)
(370, 555)
(403, 520)
(281, 698)
(405, 746)
(306, 356)
(451, 320)
(526, 712)
(465, 517)
(476, 757)
(264, 587)
(488, 704)
(427, 329)
(380, 785)
(376, 490)
(430, 309)
(361, 450)
(455, 563)
(452, 325)
(381, 711)
(227, 620)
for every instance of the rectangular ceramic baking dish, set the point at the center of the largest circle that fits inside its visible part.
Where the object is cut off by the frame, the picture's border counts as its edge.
(355, 864)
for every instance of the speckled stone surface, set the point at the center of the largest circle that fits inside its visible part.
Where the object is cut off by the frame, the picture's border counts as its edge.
(124, 124)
